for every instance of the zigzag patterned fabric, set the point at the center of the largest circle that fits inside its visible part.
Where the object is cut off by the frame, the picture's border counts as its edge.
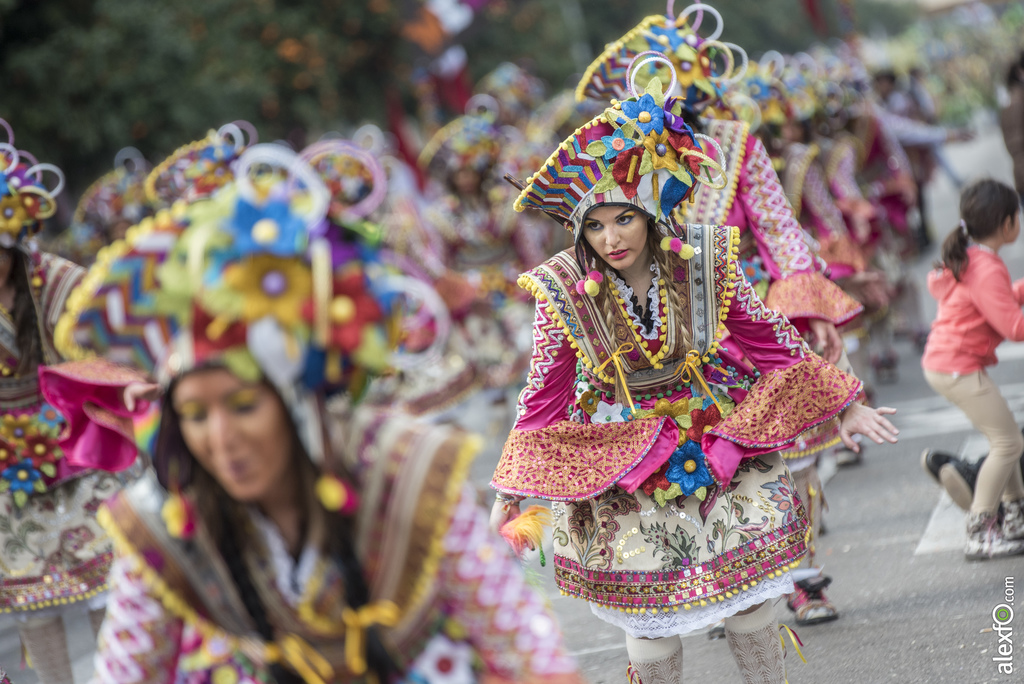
(113, 313)
(568, 175)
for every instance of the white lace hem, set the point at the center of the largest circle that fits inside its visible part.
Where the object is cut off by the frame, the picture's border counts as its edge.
(653, 303)
(663, 624)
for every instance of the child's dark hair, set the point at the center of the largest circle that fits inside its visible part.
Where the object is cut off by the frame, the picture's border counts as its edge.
(984, 206)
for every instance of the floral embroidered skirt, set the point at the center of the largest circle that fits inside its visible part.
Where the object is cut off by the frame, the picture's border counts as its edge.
(663, 570)
(52, 550)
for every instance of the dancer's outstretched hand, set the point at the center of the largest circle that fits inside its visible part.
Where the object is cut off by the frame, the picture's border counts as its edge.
(859, 419)
(140, 391)
(827, 338)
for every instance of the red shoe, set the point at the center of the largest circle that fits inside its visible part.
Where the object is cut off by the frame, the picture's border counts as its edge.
(810, 603)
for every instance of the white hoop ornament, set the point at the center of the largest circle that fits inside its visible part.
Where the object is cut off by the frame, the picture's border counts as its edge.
(343, 148)
(38, 170)
(649, 57)
(424, 295)
(10, 131)
(9, 150)
(737, 77)
(483, 101)
(730, 60)
(28, 157)
(250, 131)
(772, 63)
(298, 170)
(370, 138)
(745, 108)
(132, 155)
(717, 165)
(701, 7)
(807, 64)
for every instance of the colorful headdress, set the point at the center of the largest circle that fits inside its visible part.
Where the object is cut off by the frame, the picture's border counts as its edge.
(639, 151)
(25, 201)
(249, 279)
(471, 141)
(701, 78)
(780, 86)
(118, 197)
(197, 170)
(518, 91)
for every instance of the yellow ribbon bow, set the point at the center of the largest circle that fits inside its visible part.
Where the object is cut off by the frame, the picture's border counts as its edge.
(384, 613)
(690, 370)
(307, 662)
(624, 348)
(785, 629)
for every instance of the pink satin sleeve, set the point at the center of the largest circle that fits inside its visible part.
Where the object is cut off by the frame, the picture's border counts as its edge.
(89, 395)
(549, 386)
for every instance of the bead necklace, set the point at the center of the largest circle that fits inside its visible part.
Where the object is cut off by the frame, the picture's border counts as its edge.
(642, 344)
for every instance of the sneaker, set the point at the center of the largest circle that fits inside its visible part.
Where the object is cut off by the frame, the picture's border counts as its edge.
(985, 539)
(958, 478)
(847, 457)
(809, 602)
(1013, 519)
(932, 460)
(717, 631)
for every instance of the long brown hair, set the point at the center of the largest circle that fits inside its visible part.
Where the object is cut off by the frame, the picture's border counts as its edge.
(667, 264)
(24, 314)
(984, 207)
(228, 523)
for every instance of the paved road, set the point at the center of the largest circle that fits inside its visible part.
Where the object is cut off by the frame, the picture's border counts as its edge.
(912, 610)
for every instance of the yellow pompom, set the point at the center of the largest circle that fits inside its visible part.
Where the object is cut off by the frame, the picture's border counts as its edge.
(332, 492)
(687, 252)
(591, 288)
(666, 244)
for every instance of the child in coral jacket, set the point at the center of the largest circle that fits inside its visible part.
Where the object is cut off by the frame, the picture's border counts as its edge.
(979, 307)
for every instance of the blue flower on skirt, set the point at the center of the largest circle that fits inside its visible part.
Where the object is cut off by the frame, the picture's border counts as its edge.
(272, 229)
(688, 468)
(22, 477)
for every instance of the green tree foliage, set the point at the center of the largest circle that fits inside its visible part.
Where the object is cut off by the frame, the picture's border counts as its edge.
(512, 29)
(82, 78)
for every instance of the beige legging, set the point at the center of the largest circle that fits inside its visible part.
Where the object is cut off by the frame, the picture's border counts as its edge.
(978, 397)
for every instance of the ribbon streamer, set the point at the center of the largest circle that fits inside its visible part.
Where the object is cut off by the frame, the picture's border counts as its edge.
(384, 613)
(307, 662)
(690, 370)
(624, 348)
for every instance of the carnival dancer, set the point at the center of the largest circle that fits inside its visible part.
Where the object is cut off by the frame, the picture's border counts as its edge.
(116, 201)
(54, 555)
(286, 536)
(486, 242)
(660, 448)
(517, 92)
(776, 258)
(978, 308)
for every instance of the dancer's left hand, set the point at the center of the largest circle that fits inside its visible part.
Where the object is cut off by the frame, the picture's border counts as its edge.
(859, 419)
(140, 391)
(827, 337)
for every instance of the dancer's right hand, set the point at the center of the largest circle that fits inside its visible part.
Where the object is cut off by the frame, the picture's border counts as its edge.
(502, 513)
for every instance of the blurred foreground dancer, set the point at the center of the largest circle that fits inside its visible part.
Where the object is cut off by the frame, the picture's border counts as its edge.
(660, 448)
(288, 534)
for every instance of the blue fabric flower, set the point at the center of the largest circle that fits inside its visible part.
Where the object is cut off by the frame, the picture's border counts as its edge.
(700, 476)
(674, 36)
(656, 119)
(24, 483)
(613, 148)
(271, 229)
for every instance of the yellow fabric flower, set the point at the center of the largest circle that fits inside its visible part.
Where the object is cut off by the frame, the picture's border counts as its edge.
(271, 286)
(16, 429)
(661, 152)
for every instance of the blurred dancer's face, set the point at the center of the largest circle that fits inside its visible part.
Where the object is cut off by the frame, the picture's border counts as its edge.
(466, 181)
(618, 235)
(238, 431)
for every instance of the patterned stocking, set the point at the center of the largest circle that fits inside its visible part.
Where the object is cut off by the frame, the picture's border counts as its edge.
(656, 661)
(755, 644)
(47, 646)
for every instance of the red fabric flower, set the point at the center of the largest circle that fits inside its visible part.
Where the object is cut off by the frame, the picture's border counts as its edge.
(350, 311)
(626, 170)
(683, 143)
(41, 449)
(204, 347)
(656, 481)
(703, 420)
